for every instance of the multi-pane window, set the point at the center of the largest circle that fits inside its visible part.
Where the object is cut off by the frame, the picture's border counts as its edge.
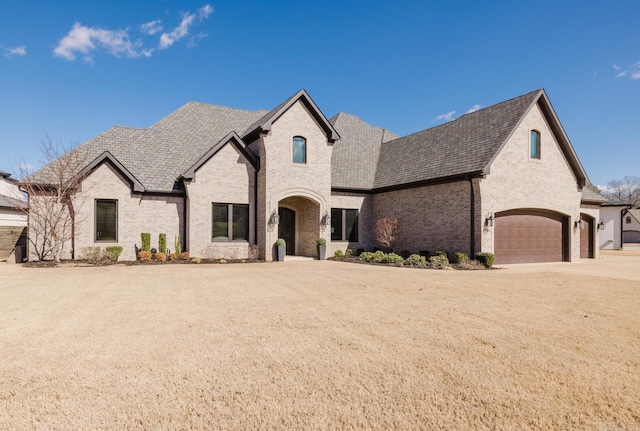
(344, 225)
(230, 222)
(299, 149)
(106, 220)
(535, 144)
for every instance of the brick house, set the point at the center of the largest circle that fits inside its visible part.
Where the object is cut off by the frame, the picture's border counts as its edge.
(504, 179)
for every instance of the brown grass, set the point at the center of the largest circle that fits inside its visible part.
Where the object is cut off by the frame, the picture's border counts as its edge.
(316, 345)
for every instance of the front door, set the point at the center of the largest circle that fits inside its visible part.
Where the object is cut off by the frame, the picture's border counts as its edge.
(287, 228)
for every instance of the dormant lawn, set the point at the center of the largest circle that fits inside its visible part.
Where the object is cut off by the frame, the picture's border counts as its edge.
(320, 345)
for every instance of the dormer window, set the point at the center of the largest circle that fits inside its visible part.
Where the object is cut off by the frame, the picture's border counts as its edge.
(534, 144)
(299, 150)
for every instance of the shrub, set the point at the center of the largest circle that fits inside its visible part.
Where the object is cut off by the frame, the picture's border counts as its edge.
(321, 241)
(348, 252)
(416, 260)
(144, 256)
(442, 253)
(161, 257)
(112, 253)
(392, 258)
(378, 256)
(162, 243)
(470, 265)
(338, 254)
(146, 241)
(487, 259)
(280, 242)
(198, 260)
(461, 257)
(387, 232)
(173, 256)
(366, 256)
(177, 247)
(184, 255)
(439, 261)
(92, 254)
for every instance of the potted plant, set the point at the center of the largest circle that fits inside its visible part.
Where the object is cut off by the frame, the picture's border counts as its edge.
(322, 248)
(281, 247)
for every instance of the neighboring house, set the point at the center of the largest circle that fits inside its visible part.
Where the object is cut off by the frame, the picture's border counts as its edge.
(621, 226)
(631, 226)
(13, 218)
(504, 179)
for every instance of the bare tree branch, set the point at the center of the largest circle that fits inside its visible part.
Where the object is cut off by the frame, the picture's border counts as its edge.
(625, 191)
(387, 232)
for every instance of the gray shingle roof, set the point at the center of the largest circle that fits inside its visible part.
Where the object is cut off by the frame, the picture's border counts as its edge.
(465, 145)
(355, 155)
(11, 203)
(589, 195)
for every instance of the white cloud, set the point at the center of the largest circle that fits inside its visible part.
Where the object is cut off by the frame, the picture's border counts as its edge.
(445, 117)
(20, 51)
(474, 108)
(82, 39)
(182, 30)
(633, 71)
(151, 27)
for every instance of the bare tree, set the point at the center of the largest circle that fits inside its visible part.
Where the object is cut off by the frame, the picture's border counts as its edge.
(387, 232)
(625, 191)
(53, 198)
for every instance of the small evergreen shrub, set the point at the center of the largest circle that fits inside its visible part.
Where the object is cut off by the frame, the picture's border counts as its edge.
(177, 247)
(280, 242)
(392, 258)
(378, 256)
(416, 260)
(184, 255)
(439, 261)
(161, 257)
(112, 253)
(366, 256)
(321, 241)
(348, 252)
(461, 257)
(442, 253)
(487, 259)
(162, 243)
(338, 254)
(146, 241)
(144, 256)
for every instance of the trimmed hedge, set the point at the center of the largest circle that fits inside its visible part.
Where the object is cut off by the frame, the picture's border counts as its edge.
(487, 259)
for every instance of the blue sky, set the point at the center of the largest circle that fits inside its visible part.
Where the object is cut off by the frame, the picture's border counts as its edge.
(73, 69)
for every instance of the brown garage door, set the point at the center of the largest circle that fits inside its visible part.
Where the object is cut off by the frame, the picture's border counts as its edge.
(525, 236)
(586, 238)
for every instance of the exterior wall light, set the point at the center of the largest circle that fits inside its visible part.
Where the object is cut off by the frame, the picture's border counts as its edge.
(579, 223)
(600, 225)
(274, 220)
(326, 219)
(488, 221)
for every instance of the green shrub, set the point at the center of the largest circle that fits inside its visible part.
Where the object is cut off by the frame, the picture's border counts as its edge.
(177, 247)
(461, 257)
(379, 256)
(321, 241)
(162, 243)
(338, 254)
(112, 253)
(439, 261)
(392, 258)
(146, 241)
(487, 259)
(348, 252)
(92, 254)
(442, 253)
(416, 260)
(366, 256)
(280, 242)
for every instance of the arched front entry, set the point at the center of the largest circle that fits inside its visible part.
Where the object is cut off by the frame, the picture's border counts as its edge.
(587, 237)
(299, 225)
(531, 235)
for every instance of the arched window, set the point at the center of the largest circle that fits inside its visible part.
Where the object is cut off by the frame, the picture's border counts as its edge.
(299, 149)
(535, 144)
(628, 220)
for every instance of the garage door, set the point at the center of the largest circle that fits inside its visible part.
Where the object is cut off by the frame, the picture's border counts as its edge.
(586, 238)
(525, 236)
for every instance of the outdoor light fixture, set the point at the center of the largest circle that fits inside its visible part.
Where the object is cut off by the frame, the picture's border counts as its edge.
(489, 220)
(579, 223)
(274, 220)
(326, 219)
(600, 225)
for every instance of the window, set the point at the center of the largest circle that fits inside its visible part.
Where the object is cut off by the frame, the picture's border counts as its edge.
(230, 222)
(628, 220)
(344, 225)
(299, 149)
(106, 220)
(535, 144)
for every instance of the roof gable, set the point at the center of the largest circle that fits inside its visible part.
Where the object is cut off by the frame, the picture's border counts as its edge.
(232, 139)
(264, 124)
(107, 157)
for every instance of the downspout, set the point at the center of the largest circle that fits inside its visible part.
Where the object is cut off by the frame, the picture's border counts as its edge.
(255, 206)
(472, 241)
(185, 217)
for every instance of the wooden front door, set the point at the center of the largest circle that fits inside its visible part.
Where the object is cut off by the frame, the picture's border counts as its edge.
(287, 228)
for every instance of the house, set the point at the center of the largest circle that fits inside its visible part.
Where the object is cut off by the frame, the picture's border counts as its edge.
(13, 219)
(621, 226)
(504, 179)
